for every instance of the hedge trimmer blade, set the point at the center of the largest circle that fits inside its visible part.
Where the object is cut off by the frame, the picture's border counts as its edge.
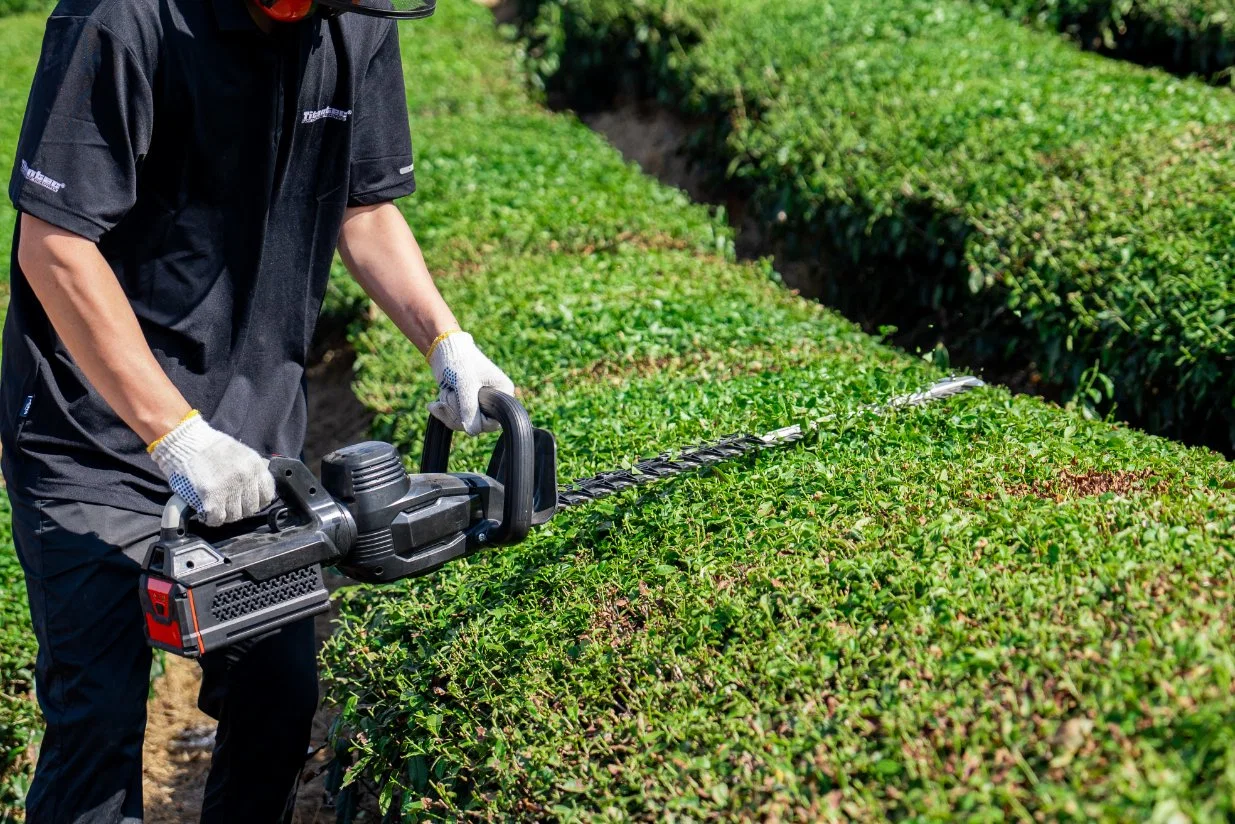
(668, 464)
(937, 391)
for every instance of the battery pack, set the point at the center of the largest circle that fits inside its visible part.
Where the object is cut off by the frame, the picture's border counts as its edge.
(198, 596)
(191, 619)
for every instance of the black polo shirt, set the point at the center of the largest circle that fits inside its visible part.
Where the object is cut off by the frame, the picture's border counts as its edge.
(212, 163)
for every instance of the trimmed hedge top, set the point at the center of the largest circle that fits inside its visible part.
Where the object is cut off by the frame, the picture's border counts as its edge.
(963, 160)
(986, 609)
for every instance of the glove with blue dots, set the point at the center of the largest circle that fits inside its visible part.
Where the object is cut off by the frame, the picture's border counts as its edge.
(461, 370)
(217, 475)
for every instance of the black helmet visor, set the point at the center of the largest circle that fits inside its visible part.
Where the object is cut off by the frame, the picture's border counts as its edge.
(392, 9)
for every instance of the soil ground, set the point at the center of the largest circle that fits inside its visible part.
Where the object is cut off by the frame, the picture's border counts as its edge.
(178, 735)
(177, 752)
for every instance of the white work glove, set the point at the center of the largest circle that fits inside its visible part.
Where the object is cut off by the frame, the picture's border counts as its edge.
(217, 475)
(461, 370)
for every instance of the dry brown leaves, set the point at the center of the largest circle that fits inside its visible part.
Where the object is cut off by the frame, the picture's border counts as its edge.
(1069, 484)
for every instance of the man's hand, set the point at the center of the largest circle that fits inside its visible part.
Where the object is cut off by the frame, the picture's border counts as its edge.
(461, 370)
(217, 475)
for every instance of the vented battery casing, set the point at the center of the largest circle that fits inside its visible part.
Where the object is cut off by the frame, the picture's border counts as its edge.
(191, 620)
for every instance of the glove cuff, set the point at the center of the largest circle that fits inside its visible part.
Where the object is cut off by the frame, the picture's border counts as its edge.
(175, 448)
(441, 339)
(450, 346)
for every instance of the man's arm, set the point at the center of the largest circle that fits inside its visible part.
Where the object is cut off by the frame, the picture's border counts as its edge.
(380, 251)
(221, 478)
(92, 315)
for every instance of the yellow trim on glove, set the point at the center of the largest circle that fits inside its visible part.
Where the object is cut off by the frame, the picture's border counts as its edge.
(192, 413)
(438, 340)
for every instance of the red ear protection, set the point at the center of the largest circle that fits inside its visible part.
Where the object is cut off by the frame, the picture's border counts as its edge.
(286, 11)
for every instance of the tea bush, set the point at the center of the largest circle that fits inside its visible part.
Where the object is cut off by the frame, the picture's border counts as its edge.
(989, 609)
(9, 8)
(20, 725)
(1187, 36)
(1069, 208)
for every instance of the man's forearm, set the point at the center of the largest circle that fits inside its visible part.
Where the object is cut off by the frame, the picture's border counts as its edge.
(379, 250)
(92, 316)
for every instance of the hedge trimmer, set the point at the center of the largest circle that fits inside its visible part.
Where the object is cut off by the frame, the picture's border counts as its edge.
(378, 523)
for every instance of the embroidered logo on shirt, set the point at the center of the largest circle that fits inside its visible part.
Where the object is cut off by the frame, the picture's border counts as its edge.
(25, 406)
(328, 112)
(39, 179)
(407, 170)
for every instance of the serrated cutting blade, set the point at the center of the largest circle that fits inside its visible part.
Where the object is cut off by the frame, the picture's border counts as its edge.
(668, 464)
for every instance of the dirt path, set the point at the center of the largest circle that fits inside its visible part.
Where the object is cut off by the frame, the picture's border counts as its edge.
(177, 751)
(178, 735)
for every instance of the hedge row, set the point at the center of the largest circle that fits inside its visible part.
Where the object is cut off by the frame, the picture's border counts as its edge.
(989, 609)
(1070, 209)
(1186, 36)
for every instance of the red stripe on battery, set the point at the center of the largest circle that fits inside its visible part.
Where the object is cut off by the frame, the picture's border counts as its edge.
(201, 647)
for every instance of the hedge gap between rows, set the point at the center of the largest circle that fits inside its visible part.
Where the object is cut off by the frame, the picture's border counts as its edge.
(1070, 210)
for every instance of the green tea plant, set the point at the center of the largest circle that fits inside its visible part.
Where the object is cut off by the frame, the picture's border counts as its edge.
(989, 609)
(9, 8)
(1069, 208)
(1186, 36)
(20, 725)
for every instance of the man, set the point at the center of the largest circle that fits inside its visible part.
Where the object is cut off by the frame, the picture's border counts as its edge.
(185, 172)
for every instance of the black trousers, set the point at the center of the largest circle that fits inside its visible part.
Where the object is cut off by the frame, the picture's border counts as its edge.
(92, 676)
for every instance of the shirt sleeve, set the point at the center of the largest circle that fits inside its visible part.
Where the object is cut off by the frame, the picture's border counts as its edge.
(381, 163)
(87, 126)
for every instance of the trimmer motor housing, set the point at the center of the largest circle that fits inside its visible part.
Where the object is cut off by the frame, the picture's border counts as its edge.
(367, 516)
